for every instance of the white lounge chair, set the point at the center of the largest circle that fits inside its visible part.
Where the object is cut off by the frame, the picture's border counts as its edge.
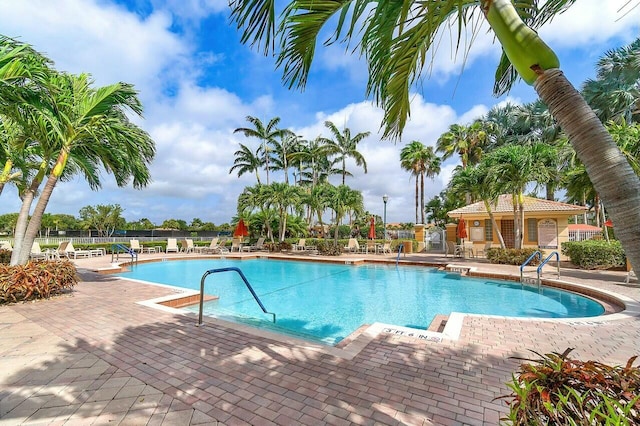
(36, 252)
(236, 244)
(352, 246)
(186, 246)
(5, 245)
(483, 251)
(258, 246)
(453, 249)
(135, 246)
(172, 245)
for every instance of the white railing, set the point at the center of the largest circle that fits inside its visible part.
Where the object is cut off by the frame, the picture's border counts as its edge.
(577, 235)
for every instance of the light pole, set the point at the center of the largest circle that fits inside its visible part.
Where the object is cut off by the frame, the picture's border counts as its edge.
(385, 198)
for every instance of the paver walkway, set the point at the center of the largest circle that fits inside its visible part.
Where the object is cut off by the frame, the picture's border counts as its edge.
(97, 356)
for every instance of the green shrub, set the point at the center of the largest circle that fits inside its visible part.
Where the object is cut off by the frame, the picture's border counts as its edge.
(509, 256)
(5, 257)
(36, 280)
(328, 248)
(557, 390)
(594, 254)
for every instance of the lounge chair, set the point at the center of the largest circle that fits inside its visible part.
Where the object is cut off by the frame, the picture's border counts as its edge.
(5, 245)
(370, 247)
(186, 246)
(468, 249)
(236, 244)
(453, 249)
(214, 247)
(630, 274)
(258, 246)
(69, 251)
(385, 248)
(352, 246)
(135, 246)
(172, 245)
(36, 252)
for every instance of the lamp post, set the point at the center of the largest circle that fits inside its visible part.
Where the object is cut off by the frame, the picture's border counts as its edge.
(385, 198)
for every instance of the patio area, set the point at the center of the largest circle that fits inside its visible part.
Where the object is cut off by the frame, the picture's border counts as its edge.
(97, 356)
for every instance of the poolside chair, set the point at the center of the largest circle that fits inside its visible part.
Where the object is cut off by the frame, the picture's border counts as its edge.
(135, 246)
(352, 246)
(236, 244)
(5, 245)
(300, 245)
(385, 248)
(36, 252)
(467, 247)
(483, 251)
(66, 249)
(453, 249)
(172, 245)
(630, 274)
(186, 246)
(216, 247)
(371, 246)
(258, 246)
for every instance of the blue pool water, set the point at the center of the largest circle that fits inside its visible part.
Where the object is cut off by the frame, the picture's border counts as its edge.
(327, 302)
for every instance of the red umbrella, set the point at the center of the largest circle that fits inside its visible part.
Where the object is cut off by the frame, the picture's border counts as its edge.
(372, 228)
(609, 223)
(462, 229)
(241, 229)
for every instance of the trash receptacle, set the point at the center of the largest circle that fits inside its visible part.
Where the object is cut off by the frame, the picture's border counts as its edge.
(407, 246)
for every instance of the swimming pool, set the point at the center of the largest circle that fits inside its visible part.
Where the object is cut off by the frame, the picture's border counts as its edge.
(327, 302)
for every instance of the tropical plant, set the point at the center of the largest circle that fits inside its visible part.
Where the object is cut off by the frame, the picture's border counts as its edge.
(79, 129)
(284, 147)
(343, 200)
(266, 134)
(343, 146)
(396, 38)
(282, 196)
(103, 218)
(466, 141)
(479, 182)
(246, 161)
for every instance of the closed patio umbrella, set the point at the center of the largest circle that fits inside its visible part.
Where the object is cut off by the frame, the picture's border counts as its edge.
(372, 229)
(241, 229)
(462, 229)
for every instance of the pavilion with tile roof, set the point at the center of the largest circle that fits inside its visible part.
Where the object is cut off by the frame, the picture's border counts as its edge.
(546, 222)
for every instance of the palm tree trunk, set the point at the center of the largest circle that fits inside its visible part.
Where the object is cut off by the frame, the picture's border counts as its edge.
(596, 210)
(422, 198)
(416, 198)
(608, 169)
(23, 219)
(36, 219)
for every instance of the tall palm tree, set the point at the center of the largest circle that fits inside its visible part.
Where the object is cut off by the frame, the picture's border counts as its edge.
(266, 134)
(344, 146)
(82, 129)
(284, 146)
(396, 38)
(421, 160)
(246, 161)
(257, 197)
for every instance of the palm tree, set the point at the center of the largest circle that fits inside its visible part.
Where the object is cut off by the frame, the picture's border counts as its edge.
(344, 146)
(421, 160)
(284, 149)
(257, 197)
(79, 129)
(282, 196)
(396, 38)
(246, 162)
(343, 200)
(480, 183)
(267, 135)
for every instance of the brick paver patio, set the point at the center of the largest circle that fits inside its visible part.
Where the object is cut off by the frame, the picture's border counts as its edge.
(96, 356)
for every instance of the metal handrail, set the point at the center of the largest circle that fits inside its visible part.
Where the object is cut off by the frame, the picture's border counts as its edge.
(400, 247)
(246, 282)
(115, 249)
(526, 262)
(546, 260)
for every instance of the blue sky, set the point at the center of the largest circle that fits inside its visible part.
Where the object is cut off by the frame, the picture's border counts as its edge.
(198, 83)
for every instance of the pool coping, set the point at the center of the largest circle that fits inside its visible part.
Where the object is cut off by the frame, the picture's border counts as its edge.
(366, 333)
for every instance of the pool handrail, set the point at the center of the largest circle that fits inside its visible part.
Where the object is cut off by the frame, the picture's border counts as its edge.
(400, 247)
(116, 248)
(246, 282)
(546, 260)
